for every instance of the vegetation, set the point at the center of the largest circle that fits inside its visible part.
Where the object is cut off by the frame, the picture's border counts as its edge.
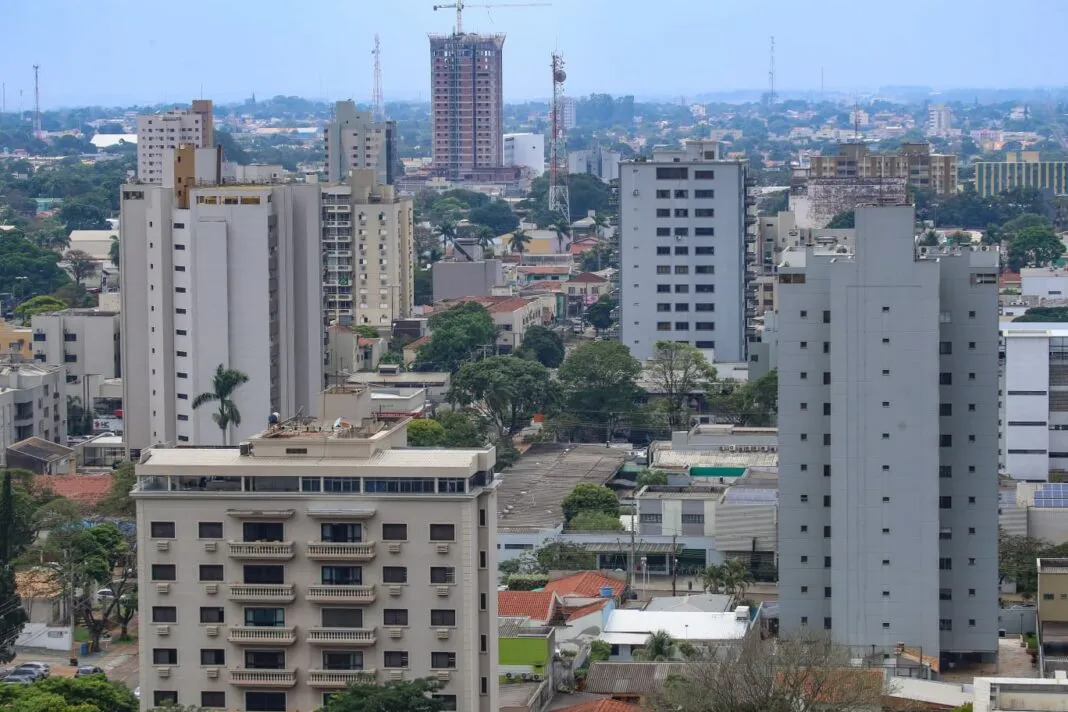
(732, 577)
(677, 371)
(26, 269)
(585, 192)
(1017, 556)
(42, 304)
(414, 696)
(91, 693)
(459, 333)
(595, 522)
(1044, 314)
(12, 615)
(588, 497)
(555, 555)
(598, 382)
(223, 384)
(543, 345)
(117, 502)
(526, 582)
(79, 418)
(755, 403)
(847, 219)
(79, 263)
(508, 389)
(496, 215)
(599, 314)
(659, 647)
(652, 477)
(1034, 247)
(424, 432)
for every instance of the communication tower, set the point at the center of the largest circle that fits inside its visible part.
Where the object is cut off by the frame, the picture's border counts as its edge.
(559, 200)
(377, 103)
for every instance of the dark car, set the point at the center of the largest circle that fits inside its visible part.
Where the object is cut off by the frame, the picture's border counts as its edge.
(88, 670)
(14, 679)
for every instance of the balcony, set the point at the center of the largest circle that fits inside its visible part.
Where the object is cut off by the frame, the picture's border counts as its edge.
(327, 593)
(262, 592)
(342, 636)
(338, 679)
(341, 551)
(265, 635)
(243, 677)
(261, 550)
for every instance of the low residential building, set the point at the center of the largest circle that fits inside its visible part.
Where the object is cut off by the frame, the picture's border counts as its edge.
(1044, 282)
(33, 402)
(104, 450)
(461, 277)
(587, 286)
(511, 315)
(631, 681)
(84, 341)
(526, 650)
(41, 457)
(42, 596)
(331, 553)
(628, 630)
(15, 340)
(1021, 694)
(390, 377)
(1053, 614)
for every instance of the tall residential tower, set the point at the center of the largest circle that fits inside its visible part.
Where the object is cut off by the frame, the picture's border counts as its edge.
(179, 127)
(888, 437)
(355, 141)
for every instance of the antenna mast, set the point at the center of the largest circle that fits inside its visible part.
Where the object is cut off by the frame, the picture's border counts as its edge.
(36, 100)
(771, 74)
(559, 201)
(379, 106)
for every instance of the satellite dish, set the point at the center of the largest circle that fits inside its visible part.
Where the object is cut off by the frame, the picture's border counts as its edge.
(559, 76)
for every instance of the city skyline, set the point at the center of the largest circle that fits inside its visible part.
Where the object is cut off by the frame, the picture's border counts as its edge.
(292, 54)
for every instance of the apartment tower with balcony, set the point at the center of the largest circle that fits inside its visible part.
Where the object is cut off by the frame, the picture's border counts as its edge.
(888, 437)
(319, 553)
(355, 141)
(168, 130)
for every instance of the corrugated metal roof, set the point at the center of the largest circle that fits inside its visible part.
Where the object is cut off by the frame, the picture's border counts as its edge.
(630, 678)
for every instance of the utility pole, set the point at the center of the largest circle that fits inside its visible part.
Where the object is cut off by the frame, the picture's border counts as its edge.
(36, 99)
(674, 562)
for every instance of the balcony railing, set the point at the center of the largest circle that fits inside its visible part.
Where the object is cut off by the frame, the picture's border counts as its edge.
(261, 550)
(341, 636)
(340, 678)
(327, 593)
(262, 592)
(244, 677)
(267, 635)
(341, 551)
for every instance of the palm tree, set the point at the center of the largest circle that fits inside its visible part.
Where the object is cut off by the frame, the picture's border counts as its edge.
(659, 647)
(520, 241)
(447, 229)
(714, 578)
(484, 234)
(114, 253)
(223, 384)
(738, 577)
(563, 229)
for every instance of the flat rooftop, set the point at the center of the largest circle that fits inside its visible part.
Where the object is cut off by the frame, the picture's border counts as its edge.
(196, 460)
(1053, 566)
(415, 378)
(532, 490)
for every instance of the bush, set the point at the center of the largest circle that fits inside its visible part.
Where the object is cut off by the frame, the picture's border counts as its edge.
(527, 582)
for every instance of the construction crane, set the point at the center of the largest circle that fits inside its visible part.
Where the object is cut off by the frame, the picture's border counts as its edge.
(460, 5)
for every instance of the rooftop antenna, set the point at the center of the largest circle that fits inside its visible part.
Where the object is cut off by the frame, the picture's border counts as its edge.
(559, 200)
(771, 74)
(36, 99)
(377, 104)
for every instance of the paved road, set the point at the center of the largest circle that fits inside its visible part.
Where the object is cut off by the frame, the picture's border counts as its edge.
(119, 661)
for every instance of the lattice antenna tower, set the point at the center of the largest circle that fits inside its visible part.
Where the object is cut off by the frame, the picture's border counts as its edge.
(771, 74)
(36, 99)
(559, 200)
(377, 103)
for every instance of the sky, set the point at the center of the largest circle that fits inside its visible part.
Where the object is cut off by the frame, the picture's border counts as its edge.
(124, 52)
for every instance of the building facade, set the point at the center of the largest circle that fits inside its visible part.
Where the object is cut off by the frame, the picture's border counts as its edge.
(888, 410)
(1023, 169)
(367, 242)
(274, 575)
(179, 127)
(526, 150)
(355, 141)
(84, 341)
(217, 276)
(683, 228)
(467, 104)
(913, 162)
(33, 402)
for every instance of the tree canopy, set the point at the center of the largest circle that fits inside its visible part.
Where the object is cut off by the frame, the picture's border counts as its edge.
(510, 390)
(457, 334)
(599, 314)
(676, 371)
(755, 403)
(27, 270)
(413, 696)
(425, 432)
(542, 345)
(588, 497)
(1035, 246)
(91, 693)
(1044, 314)
(42, 304)
(845, 219)
(497, 216)
(599, 386)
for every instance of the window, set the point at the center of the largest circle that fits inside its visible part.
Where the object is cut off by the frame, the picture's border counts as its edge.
(211, 572)
(945, 379)
(682, 307)
(395, 659)
(704, 194)
(945, 502)
(448, 702)
(826, 470)
(704, 175)
(704, 288)
(682, 194)
(945, 409)
(945, 563)
(682, 269)
(663, 269)
(827, 623)
(705, 269)
(264, 617)
(704, 231)
(826, 317)
(826, 500)
(804, 406)
(705, 326)
(265, 701)
(439, 660)
(164, 656)
(442, 574)
(394, 574)
(442, 617)
(826, 591)
(704, 213)
(673, 173)
(483, 560)
(826, 562)
(945, 471)
(826, 378)
(213, 698)
(210, 530)
(395, 532)
(212, 656)
(265, 659)
(662, 288)
(442, 532)
(945, 347)
(163, 697)
(945, 440)
(682, 326)
(663, 232)
(164, 614)
(704, 250)
(162, 530)
(342, 618)
(663, 326)
(483, 643)
(395, 616)
(682, 289)
(663, 250)
(263, 531)
(662, 194)
(341, 575)
(693, 519)
(483, 686)
(163, 572)
(886, 436)
(341, 532)
(945, 624)
(827, 439)
(704, 307)
(682, 213)
(211, 614)
(827, 532)
(263, 574)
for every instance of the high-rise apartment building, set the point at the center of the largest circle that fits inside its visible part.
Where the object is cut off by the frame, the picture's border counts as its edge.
(317, 555)
(84, 341)
(217, 275)
(367, 241)
(467, 104)
(33, 402)
(888, 418)
(179, 127)
(683, 226)
(567, 109)
(1021, 169)
(526, 150)
(913, 162)
(939, 120)
(355, 141)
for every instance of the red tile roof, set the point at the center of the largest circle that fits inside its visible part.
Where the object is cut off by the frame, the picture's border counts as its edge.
(537, 605)
(585, 583)
(87, 489)
(601, 706)
(545, 286)
(586, 610)
(589, 277)
(509, 305)
(421, 341)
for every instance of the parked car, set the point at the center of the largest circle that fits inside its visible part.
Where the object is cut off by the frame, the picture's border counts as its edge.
(30, 672)
(104, 594)
(14, 679)
(43, 668)
(88, 670)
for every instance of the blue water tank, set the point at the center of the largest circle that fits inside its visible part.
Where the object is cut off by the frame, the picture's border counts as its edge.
(606, 591)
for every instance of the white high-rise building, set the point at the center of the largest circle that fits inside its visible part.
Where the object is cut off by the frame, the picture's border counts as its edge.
(179, 127)
(527, 150)
(217, 276)
(355, 141)
(683, 226)
(567, 109)
(888, 437)
(939, 120)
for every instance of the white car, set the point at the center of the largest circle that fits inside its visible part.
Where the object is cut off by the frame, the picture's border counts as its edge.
(104, 594)
(43, 669)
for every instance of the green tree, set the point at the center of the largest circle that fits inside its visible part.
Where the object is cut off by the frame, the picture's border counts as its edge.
(677, 371)
(588, 497)
(74, 295)
(497, 216)
(424, 286)
(1016, 560)
(595, 522)
(117, 502)
(12, 614)
(520, 241)
(755, 403)
(366, 331)
(457, 335)
(80, 214)
(845, 219)
(648, 477)
(562, 228)
(599, 314)
(1034, 247)
(559, 555)
(714, 578)
(91, 693)
(599, 385)
(738, 577)
(79, 418)
(26, 269)
(413, 696)
(462, 429)
(1044, 314)
(510, 390)
(543, 345)
(446, 230)
(115, 250)
(223, 384)
(80, 264)
(42, 304)
(930, 239)
(424, 432)
(659, 647)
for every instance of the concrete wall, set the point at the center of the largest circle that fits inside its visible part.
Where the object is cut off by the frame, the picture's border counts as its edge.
(452, 280)
(1026, 415)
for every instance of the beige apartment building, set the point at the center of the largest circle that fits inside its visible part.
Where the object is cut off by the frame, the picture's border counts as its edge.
(156, 133)
(913, 162)
(319, 553)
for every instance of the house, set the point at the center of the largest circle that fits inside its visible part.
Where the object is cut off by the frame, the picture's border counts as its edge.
(40, 456)
(587, 287)
(42, 595)
(411, 349)
(628, 630)
(512, 316)
(536, 607)
(525, 652)
(630, 681)
(586, 587)
(526, 274)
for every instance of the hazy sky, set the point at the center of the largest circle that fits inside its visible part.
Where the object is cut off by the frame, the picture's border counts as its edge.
(147, 51)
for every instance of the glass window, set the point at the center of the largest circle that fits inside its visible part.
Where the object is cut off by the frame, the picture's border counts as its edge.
(342, 660)
(394, 574)
(265, 617)
(212, 656)
(210, 530)
(164, 656)
(442, 574)
(395, 659)
(263, 574)
(442, 532)
(394, 532)
(211, 572)
(442, 660)
(442, 617)
(164, 614)
(263, 531)
(342, 575)
(211, 614)
(395, 616)
(341, 532)
(341, 484)
(163, 572)
(213, 698)
(162, 530)
(257, 701)
(342, 618)
(265, 659)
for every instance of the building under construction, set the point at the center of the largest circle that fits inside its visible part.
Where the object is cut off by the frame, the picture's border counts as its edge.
(466, 79)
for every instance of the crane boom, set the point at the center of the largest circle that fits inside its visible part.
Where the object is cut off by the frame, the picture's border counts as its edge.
(460, 5)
